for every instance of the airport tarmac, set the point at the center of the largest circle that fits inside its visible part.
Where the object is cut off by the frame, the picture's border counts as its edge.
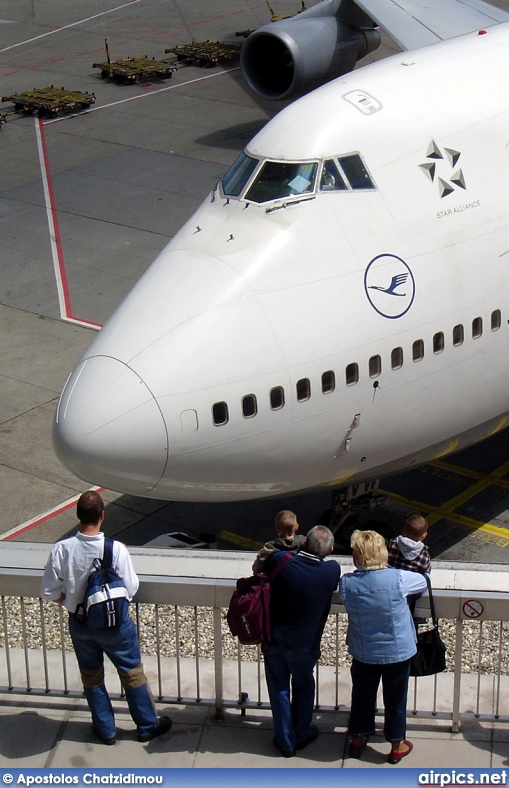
(87, 202)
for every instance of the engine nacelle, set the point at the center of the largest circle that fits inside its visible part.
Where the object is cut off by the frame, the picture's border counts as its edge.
(286, 59)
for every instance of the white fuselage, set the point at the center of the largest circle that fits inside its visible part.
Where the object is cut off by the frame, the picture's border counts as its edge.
(379, 316)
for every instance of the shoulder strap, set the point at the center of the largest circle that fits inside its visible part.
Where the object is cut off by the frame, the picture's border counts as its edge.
(108, 553)
(280, 564)
(431, 602)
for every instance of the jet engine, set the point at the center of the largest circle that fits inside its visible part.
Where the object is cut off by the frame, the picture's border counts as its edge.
(288, 58)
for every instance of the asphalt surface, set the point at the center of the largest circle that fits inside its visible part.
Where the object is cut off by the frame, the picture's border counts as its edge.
(87, 202)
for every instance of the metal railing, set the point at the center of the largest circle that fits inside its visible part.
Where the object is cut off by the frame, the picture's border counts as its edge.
(193, 659)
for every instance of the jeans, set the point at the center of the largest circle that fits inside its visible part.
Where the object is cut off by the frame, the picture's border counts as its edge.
(365, 682)
(121, 645)
(292, 717)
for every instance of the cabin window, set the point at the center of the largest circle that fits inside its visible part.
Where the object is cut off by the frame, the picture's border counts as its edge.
(328, 382)
(375, 366)
(352, 374)
(496, 320)
(458, 335)
(438, 342)
(303, 389)
(277, 398)
(238, 175)
(277, 180)
(331, 179)
(355, 171)
(418, 350)
(476, 327)
(397, 358)
(249, 406)
(219, 413)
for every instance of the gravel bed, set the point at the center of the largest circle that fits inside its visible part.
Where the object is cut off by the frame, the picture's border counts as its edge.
(485, 643)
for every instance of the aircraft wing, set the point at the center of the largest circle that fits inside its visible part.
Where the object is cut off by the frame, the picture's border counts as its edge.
(417, 23)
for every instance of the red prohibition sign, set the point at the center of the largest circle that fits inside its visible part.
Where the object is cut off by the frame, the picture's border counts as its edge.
(472, 608)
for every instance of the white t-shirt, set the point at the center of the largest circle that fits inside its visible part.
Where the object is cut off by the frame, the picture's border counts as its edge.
(71, 562)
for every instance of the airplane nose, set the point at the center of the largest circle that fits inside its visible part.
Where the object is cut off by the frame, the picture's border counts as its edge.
(108, 427)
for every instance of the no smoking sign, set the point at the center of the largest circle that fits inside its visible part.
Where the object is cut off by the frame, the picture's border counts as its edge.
(472, 608)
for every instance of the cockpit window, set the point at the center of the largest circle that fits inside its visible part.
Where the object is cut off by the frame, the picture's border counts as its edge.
(277, 180)
(238, 175)
(267, 181)
(356, 172)
(331, 180)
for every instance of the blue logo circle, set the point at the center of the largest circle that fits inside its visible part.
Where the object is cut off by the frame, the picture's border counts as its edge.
(389, 285)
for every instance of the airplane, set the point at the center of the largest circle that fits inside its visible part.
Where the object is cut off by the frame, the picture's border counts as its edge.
(337, 308)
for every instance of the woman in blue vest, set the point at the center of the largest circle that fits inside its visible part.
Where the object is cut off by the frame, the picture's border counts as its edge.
(381, 639)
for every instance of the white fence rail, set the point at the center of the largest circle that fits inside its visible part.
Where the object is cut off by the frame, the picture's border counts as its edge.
(194, 660)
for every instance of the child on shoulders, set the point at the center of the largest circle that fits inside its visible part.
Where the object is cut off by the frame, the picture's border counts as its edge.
(287, 539)
(408, 550)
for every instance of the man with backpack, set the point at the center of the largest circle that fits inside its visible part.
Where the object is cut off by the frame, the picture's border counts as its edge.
(300, 600)
(69, 566)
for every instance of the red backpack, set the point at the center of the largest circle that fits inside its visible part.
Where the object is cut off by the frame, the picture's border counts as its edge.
(248, 614)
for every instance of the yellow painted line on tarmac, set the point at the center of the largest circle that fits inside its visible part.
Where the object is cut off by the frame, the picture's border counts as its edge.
(242, 541)
(474, 490)
(447, 510)
(435, 513)
(447, 466)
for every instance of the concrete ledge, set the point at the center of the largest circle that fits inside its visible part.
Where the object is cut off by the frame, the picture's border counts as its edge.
(214, 564)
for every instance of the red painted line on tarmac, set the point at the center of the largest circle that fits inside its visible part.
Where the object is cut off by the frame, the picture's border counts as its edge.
(39, 521)
(68, 313)
(43, 518)
(83, 321)
(58, 241)
(154, 29)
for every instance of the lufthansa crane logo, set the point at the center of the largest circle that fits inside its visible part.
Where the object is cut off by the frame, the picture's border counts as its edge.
(389, 285)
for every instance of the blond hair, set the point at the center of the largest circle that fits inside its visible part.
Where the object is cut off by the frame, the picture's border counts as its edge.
(415, 527)
(369, 549)
(286, 523)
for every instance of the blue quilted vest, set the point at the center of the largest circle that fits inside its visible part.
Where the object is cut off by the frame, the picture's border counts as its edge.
(380, 626)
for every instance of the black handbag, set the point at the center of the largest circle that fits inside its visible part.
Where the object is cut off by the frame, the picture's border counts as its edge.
(430, 656)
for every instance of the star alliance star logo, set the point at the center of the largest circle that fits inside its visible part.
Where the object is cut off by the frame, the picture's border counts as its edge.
(437, 161)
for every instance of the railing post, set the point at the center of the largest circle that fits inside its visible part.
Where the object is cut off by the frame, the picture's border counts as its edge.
(457, 677)
(6, 644)
(218, 663)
